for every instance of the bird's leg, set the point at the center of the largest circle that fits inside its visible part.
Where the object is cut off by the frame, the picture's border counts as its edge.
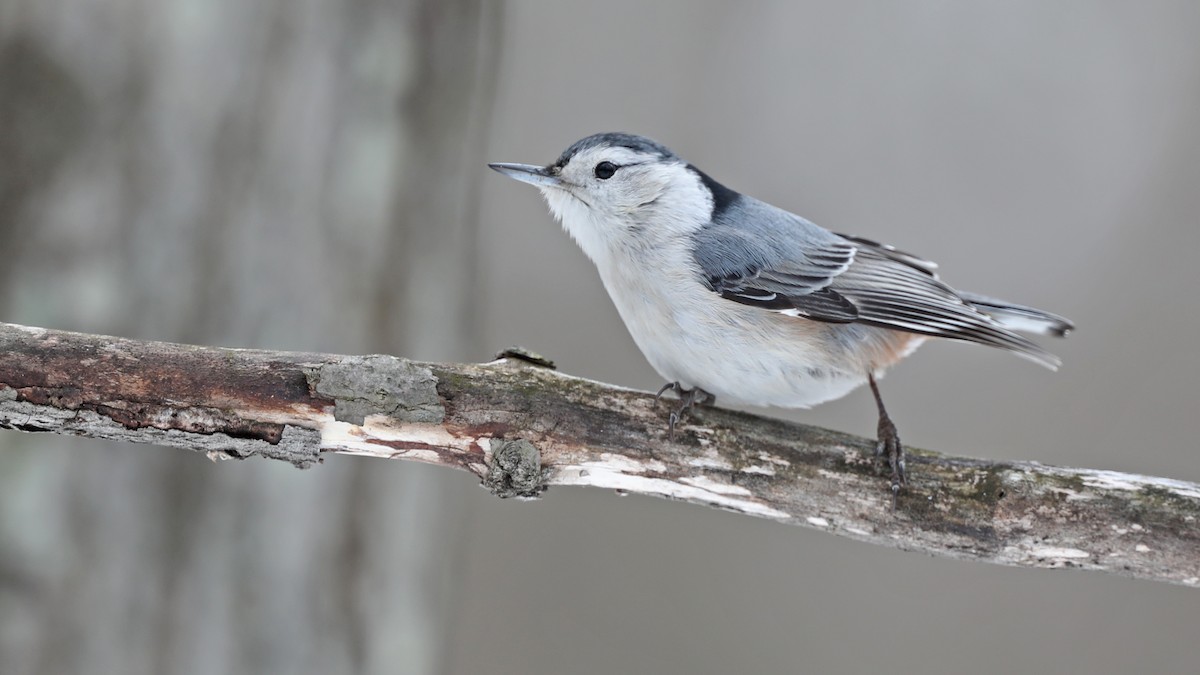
(688, 399)
(889, 443)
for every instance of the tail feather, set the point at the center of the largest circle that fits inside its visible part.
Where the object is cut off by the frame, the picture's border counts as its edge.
(1020, 317)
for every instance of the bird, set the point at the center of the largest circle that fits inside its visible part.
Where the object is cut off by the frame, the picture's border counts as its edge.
(732, 299)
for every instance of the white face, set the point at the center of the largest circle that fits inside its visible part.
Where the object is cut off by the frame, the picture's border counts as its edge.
(614, 197)
(615, 183)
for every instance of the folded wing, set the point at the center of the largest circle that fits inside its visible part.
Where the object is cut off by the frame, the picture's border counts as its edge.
(759, 255)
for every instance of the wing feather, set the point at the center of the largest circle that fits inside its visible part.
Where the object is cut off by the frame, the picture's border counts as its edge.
(761, 256)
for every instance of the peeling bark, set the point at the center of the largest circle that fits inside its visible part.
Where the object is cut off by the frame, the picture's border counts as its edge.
(520, 426)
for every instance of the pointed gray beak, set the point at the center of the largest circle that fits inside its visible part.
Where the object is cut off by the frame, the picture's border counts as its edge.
(528, 173)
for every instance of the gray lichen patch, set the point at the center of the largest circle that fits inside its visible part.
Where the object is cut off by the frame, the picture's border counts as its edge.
(378, 385)
(515, 470)
(527, 356)
(299, 446)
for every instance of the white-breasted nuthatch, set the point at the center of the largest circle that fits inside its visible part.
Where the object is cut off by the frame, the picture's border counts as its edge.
(730, 298)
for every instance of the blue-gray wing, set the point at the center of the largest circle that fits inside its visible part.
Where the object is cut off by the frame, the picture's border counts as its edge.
(758, 255)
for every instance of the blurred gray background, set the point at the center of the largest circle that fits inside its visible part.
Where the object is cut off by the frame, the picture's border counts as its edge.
(310, 175)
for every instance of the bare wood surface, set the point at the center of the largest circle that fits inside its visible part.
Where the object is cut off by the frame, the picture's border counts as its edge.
(521, 426)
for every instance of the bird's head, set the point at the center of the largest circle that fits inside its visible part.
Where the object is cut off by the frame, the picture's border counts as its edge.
(619, 190)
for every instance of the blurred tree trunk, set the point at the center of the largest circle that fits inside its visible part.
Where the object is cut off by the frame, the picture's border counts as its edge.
(294, 175)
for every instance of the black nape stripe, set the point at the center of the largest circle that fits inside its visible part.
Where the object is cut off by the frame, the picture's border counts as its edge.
(723, 197)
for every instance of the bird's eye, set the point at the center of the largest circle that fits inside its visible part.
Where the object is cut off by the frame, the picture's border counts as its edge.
(605, 170)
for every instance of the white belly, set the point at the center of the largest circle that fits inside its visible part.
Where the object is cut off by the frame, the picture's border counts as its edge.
(743, 354)
(741, 364)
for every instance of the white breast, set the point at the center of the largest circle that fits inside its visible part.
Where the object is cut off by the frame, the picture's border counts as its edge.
(739, 353)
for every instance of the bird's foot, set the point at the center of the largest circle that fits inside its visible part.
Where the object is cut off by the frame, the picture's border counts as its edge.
(670, 386)
(889, 446)
(889, 442)
(688, 399)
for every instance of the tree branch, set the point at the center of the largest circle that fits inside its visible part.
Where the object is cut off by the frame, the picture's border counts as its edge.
(521, 426)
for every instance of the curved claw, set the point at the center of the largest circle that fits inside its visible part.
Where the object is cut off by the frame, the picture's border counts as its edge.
(670, 386)
(688, 399)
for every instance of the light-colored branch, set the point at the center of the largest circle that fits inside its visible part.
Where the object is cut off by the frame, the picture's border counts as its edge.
(521, 426)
